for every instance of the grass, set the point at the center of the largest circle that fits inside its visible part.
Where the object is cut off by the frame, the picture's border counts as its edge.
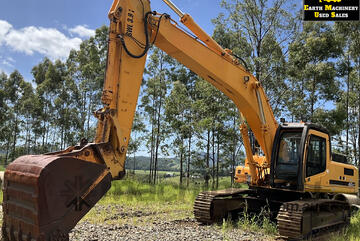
(350, 233)
(125, 191)
(134, 201)
(167, 200)
(250, 223)
(254, 223)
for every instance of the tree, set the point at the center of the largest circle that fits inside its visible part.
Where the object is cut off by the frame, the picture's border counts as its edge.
(87, 67)
(349, 71)
(311, 72)
(259, 31)
(158, 70)
(17, 92)
(177, 106)
(136, 140)
(214, 112)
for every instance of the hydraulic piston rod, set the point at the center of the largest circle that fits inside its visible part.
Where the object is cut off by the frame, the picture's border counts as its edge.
(174, 8)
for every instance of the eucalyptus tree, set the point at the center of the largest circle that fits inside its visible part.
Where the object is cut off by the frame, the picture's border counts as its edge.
(16, 90)
(177, 107)
(138, 132)
(349, 71)
(159, 66)
(65, 105)
(213, 116)
(312, 73)
(27, 108)
(259, 32)
(86, 67)
(44, 96)
(5, 117)
(3, 107)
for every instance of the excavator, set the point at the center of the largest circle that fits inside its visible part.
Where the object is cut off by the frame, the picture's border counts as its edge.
(306, 191)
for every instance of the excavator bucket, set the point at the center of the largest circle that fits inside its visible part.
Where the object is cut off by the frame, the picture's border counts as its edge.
(46, 195)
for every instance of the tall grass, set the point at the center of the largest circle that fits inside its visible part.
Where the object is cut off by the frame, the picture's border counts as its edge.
(130, 191)
(259, 223)
(350, 233)
(167, 190)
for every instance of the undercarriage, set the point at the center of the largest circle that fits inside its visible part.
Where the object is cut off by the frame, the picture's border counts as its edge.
(297, 214)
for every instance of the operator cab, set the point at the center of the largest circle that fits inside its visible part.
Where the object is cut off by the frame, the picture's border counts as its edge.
(299, 151)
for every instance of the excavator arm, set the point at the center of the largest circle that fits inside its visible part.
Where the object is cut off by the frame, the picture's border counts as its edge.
(46, 195)
(133, 23)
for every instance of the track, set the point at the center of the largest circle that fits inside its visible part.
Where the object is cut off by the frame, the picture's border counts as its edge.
(213, 206)
(310, 218)
(296, 220)
(203, 208)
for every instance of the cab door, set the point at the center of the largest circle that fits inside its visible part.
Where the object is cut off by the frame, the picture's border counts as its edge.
(316, 161)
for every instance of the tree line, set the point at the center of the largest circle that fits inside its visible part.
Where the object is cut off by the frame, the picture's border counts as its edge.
(310, 72)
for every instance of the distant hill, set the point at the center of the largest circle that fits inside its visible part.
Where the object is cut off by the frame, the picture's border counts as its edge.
(143, 163)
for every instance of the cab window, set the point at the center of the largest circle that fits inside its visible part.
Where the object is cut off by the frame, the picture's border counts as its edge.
(316, 156)
(288, 156)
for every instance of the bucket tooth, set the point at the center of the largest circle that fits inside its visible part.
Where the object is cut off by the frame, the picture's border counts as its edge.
(46, 195)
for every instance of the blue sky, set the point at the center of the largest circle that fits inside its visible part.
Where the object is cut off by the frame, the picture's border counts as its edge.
(33, 29)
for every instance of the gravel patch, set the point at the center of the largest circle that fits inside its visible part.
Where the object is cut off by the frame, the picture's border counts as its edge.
(186, 229)
(162, 229)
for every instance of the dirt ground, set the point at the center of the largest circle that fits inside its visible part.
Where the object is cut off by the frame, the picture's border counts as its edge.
(151, 224)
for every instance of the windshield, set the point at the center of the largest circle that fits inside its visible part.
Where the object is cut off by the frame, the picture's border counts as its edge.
(289, 148)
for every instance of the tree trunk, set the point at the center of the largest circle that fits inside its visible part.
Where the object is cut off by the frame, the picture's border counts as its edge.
(181, 163)
(157, 136)
(14, 138)
(359, 114)
(152, 141)
(44, 126)
(232, 174)
(217, 160)
(134, 168)
(7, 151)
(88, 117)
(151, 153)
(312, 99)
(47, 136)
(213, 158)
(207, 160)
(188, 162)
(359, 134)
(347, 107)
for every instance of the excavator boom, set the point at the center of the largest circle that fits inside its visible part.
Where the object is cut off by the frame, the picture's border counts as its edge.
(46, 195)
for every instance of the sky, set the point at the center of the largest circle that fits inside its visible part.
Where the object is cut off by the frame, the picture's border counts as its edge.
(33, 29)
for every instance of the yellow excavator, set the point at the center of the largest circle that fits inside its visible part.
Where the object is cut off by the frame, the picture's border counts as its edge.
(296, 178)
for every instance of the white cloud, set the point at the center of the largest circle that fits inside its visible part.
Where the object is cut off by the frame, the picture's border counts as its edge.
(29, 40)
(7, 63)
(4, 29)
(10, 59)
(82, 31)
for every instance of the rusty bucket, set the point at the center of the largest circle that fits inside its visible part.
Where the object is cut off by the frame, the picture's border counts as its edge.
(46, 195)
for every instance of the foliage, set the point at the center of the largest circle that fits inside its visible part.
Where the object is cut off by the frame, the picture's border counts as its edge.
(351, 233)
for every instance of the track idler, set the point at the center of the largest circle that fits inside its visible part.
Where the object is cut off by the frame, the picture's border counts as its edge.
(45, 196)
